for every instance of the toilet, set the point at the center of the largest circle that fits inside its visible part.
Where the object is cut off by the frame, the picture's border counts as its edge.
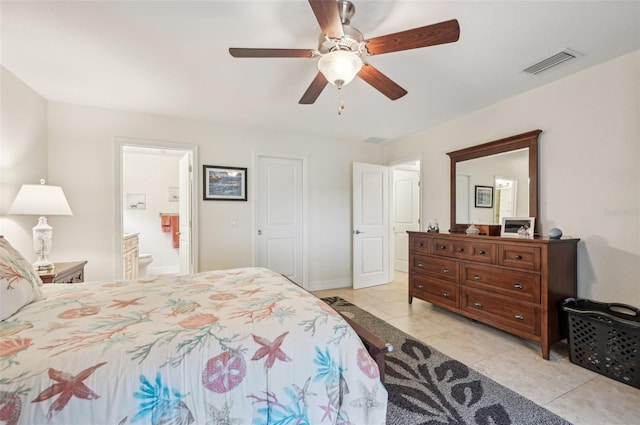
(143, 264)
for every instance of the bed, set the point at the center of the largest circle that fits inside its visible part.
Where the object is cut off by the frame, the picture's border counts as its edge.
(240, 346)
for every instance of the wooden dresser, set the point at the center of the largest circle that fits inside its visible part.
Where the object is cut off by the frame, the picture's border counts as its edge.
(516, 285)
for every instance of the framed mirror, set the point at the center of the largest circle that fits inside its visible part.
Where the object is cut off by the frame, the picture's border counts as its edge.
(494, 180)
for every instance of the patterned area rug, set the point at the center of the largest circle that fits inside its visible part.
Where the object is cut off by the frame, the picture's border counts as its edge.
(427, 387)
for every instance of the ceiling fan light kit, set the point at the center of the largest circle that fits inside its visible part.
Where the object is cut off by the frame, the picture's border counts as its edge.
(340, 67)
(341, 48)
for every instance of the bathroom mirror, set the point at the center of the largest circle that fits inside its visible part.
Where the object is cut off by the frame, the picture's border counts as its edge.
(494, 180)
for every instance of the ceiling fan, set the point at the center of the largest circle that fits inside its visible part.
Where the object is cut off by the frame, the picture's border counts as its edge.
(342, 48)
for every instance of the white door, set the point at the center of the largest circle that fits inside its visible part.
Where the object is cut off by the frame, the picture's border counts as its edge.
(185, 174)
(279, 216)
(406, 214)
(371, 262)
(504, 199)
(462, 199)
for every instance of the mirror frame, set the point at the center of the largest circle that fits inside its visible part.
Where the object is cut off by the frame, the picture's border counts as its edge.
(520, 141)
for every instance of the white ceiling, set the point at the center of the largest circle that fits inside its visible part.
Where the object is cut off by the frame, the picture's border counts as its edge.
(171, 58)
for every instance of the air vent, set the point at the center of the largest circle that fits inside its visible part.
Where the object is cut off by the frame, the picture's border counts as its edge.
(375, 140)
(552, 61)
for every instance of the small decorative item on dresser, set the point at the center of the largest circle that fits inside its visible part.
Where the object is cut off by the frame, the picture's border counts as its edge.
(433, 228)
(555, 233)
(472, 230)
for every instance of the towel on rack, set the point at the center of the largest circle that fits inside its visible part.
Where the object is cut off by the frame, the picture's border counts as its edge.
(165, 222)
(175, 231)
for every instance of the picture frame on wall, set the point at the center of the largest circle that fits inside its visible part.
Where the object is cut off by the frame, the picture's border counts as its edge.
(174, 194)
(221, 183)
(518, 227)
(484, 197)
(136, 201)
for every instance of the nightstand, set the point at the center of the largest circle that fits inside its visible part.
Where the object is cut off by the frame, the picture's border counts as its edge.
(72, 272)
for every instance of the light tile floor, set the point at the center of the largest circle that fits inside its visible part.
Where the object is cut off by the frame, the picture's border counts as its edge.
(570, 391)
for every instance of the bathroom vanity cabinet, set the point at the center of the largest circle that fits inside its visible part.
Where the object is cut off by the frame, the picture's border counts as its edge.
(130, 253)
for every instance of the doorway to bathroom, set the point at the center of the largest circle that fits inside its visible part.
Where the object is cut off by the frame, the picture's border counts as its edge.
(156, 209)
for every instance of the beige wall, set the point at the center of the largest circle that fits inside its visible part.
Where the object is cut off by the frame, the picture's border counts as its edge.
(23, 156)
(82, 159)
(589, 167)
(589, 174)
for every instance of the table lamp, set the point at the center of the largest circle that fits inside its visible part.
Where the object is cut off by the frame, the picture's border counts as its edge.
(41, 199)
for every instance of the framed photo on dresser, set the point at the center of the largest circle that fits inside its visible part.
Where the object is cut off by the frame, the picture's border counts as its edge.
(518, 227)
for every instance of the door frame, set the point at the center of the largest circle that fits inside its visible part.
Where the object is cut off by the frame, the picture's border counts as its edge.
(398, 164)
(305, 209)
(120, 144)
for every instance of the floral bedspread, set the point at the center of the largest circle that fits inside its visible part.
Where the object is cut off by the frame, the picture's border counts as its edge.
(240, 346)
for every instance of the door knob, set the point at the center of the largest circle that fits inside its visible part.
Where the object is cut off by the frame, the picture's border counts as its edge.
(357, 232)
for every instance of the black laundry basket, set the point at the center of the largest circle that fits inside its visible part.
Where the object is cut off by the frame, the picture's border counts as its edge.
(605, 338)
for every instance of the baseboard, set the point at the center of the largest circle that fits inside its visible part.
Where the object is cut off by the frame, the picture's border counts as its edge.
(156, 271)
(330, 284)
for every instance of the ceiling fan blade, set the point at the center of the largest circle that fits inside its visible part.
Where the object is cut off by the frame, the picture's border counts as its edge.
(270, 53)
(317, 85)
(430, 35)
(328, 17)
(381, 82)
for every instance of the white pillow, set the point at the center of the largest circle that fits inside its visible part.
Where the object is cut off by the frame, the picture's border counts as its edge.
(19, 282)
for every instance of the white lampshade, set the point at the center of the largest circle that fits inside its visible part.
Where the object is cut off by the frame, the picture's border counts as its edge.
(40, 199)
(340, 66)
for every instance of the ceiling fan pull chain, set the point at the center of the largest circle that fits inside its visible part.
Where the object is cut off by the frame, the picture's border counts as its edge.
(340, 102)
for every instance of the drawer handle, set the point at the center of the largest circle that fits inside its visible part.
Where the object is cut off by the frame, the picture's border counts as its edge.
(446, 295)
(445, 270)
(442, 247)
(518, 257)
(420, 287)
(420, 265)
(518, 285)
(477, 277)
(482, 252)
(519, 316)
(460, 249)
(477, 304)
(420, 244)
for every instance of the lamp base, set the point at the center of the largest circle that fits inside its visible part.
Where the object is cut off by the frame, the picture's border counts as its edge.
(42, 234)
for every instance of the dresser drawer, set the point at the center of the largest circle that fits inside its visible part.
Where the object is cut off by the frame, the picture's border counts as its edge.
(483, 252)
(503, 310)
(434, 291)
(518, 285)
(419, 244)
(439, 268)
(520, 256)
